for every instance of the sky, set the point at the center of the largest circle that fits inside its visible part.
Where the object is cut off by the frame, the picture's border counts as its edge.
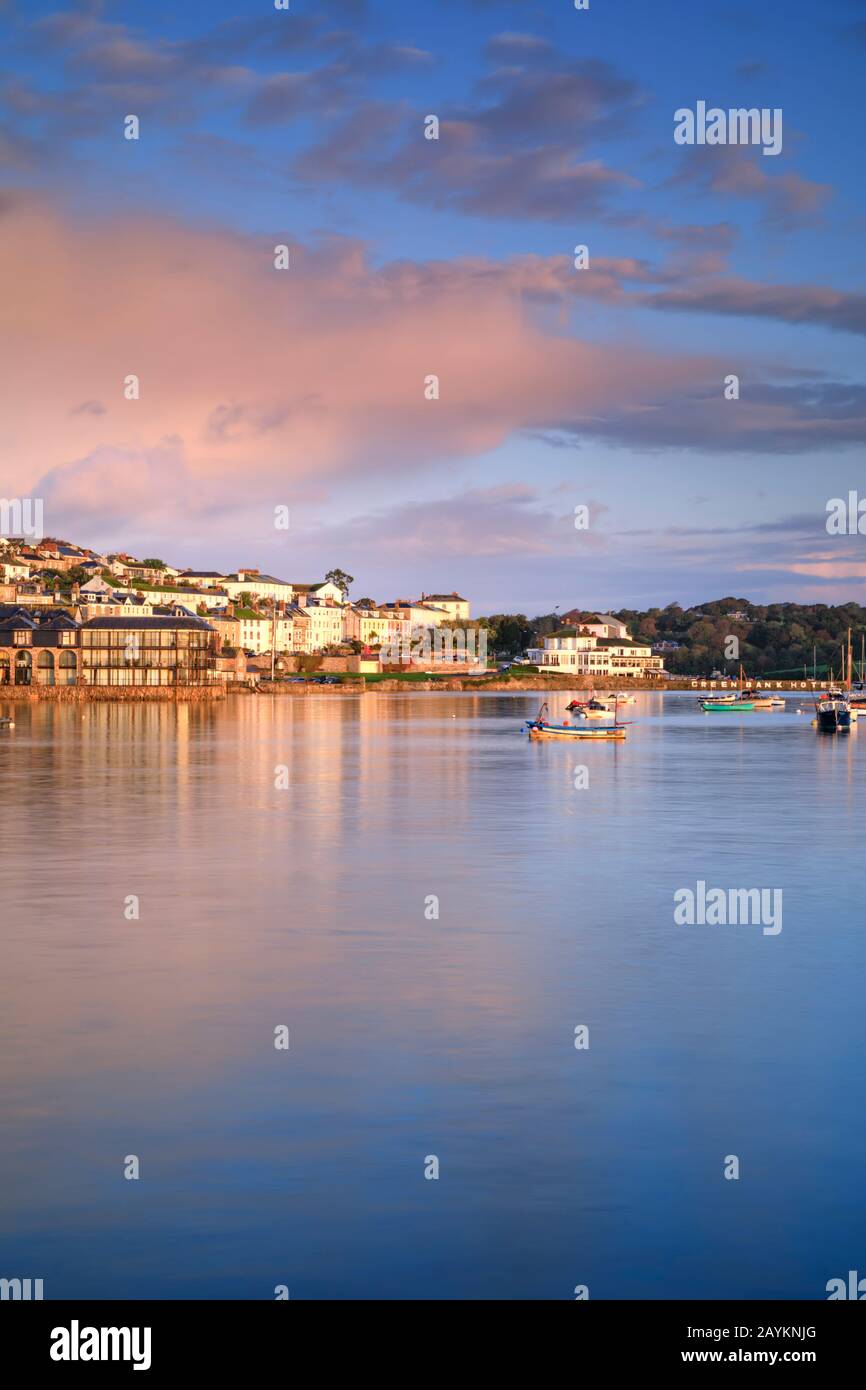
(409, 258)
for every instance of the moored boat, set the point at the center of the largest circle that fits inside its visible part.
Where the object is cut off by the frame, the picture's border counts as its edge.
(600, 733)
(539, 727)
(760, 700)
(832, 713)
(593, 708)
(598, 709)
(723, 706)
(6, 723)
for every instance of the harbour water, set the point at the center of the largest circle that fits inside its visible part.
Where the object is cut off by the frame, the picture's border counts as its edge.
(289, 857)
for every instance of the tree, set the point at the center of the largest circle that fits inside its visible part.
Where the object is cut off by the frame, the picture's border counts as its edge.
(154, 564)
(342, 580)
(509, 632)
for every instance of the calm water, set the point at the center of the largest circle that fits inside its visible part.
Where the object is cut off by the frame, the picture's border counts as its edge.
(412, 1037)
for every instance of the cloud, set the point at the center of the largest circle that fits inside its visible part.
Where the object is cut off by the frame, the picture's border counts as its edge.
(512, 152)
(800, 304)
(461, 169)
(266, 383)
(512, 48)
(105, 65)
(736, 171)
(769, 417)
(110, 485)
(570, 104)
(508, 521)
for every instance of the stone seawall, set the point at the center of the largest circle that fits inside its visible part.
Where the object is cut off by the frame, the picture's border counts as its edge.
(359, 686)
(88, 694)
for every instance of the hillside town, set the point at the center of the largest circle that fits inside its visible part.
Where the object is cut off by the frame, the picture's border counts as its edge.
(72, 616)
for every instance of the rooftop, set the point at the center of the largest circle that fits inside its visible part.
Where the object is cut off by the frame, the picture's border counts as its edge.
(157, 622)
(253, 577)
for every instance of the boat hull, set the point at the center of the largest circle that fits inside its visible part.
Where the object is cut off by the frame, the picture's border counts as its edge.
(567, 731)
(724, 707)
(833, 721)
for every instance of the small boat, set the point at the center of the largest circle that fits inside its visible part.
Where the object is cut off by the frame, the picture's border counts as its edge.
(760, 700)
(616, 699)
(539, 727)
(734, 704)
(718, 699)
(833, 713)
(597, 708)
(6, 723)
(591, 709)
(564, 731)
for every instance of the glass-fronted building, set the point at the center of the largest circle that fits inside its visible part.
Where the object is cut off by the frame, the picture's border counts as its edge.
(147, 651)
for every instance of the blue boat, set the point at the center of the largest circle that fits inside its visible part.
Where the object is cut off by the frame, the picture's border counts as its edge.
(541, 728)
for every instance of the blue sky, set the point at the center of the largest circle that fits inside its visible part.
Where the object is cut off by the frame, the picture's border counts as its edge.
(558, 387)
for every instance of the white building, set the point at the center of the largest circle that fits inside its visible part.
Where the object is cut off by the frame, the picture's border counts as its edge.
(325, 624)
(259, 585)
(456, 608)
(367, 625)
(14, 569)
(583, 652)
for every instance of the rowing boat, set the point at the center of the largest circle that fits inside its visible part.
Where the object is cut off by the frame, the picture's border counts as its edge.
(540, 729)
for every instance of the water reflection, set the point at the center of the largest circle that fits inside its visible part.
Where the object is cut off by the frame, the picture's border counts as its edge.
(261, 906)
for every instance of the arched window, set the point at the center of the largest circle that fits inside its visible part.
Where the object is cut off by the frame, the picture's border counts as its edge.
(45, 668)
(23, 671)
(68, 672)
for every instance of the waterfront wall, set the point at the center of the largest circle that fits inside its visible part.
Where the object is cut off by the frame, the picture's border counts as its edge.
(531, 682)
(76, 694)
(88, 694)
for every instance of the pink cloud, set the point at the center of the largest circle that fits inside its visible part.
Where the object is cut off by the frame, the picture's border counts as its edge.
(263, 376)
(262, 385)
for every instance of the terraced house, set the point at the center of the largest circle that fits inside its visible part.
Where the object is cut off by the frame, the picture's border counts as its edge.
(38, 648)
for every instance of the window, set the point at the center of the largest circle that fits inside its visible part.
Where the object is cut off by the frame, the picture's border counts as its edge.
(22, 639)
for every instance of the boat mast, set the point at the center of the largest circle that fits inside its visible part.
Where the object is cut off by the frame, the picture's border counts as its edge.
(849, 658)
